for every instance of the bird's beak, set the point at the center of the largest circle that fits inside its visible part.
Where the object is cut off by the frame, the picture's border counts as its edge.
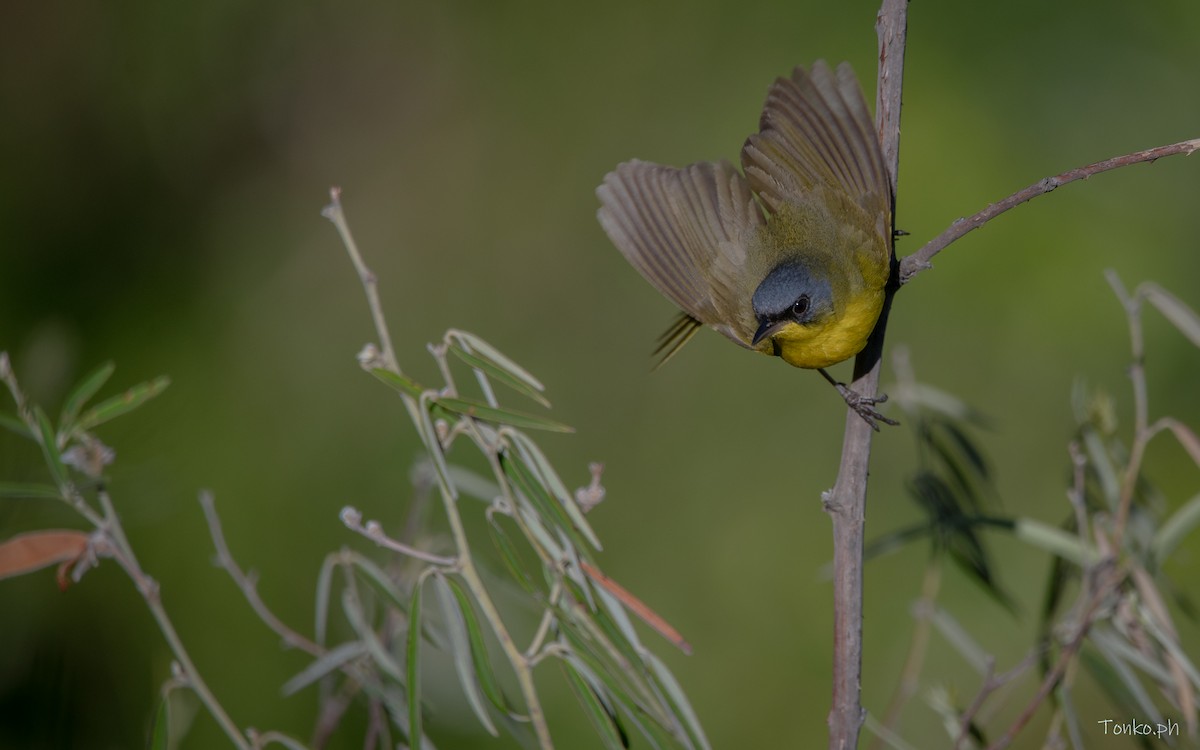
(765, 329)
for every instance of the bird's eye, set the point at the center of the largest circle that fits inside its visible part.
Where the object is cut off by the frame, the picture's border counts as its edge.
(800, 306)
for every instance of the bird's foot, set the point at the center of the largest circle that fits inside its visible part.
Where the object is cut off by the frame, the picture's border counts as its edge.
(864, 406)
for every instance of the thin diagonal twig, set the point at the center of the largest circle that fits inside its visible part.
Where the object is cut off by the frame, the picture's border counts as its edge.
(919, 261)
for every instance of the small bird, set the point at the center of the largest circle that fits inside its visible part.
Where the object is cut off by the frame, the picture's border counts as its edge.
(793, 258)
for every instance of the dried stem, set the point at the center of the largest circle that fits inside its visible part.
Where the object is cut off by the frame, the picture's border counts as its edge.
(334, 213)
(148, 587)
(991, 683)
(919, 261)
(463, 561)
(918, 646)
(248, 583)
(846, 502)
(1100, 594)
(1141, 409)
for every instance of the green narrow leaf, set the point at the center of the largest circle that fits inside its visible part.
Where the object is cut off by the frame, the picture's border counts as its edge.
(277, 738)
(419, 412)
(382, 582)
(619, 616)
(533, 456)
(1066, 705)
(483, 666)
(461, 648)
(1116, 678)
(538, 535)
(58, 471)
(84, 391)
(1056, 541)
(679, 701)
(499, 374)
(960, 639)
(331, 661)
(603, 719)
(510, 555)
(12, 424)
(531, 488)
(473, 485)
(1174, 310)
(22, 489)
(380, 654)
(324, 585)
(1180, 524)
(397, 382)
(124, 403)
(634, 711)
(160, 734)
(1168, 643)
(499, 416)
(412, 654)
(1099, 460)
(489, 352)
(595, 636)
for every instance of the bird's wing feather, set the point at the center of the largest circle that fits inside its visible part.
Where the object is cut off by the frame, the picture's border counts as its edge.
(687, 232)
(816, 140)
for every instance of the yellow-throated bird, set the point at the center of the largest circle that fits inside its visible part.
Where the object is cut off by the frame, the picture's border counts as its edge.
(792, 259)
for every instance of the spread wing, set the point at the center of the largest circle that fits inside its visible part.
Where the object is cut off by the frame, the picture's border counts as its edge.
(816, 142)
(687, 232)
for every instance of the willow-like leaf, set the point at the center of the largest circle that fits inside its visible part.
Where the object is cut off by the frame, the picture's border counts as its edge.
(620, 617)
(12, 424)
(461, 647)
(589, 640)
(83, 392)
(124, 403)
(324, 587)
(616, 681)
(539, 536)
(380, 654)
(487, 351)
(49, 442)
(397, 382)
(498, 415)
(1066, 707)
(630, 709)
(960, 639)
(160, 732)
(413, 664)
(1181, 523)
(531, 487)
(679, 701)
(1116, 678)
(1101, 464)
(498, 374)
(510, 555)
(419, 412)
(1056, 541)
(327, 663)
(31, 490)
(604, 720)
(473, 485)
(479, 655)
(533, 455)
(381, 581)
(1174, 310)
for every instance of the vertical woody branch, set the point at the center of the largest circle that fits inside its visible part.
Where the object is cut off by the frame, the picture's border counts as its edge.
(846, 502)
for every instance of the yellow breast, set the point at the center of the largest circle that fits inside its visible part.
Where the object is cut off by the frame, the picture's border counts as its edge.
(834, 340)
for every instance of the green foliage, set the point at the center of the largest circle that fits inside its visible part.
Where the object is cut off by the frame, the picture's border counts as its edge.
(1107, 609)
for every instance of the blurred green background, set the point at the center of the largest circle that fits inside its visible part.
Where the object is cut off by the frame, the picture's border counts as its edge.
(163, 170)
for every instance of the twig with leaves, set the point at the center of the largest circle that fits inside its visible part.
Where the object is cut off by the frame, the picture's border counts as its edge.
(584, 624)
